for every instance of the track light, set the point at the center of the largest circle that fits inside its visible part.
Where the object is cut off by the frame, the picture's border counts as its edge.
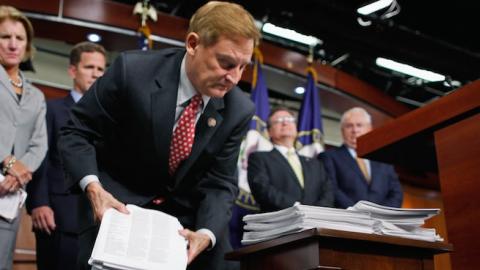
(290, 35)
(410, 70)
(373, 7)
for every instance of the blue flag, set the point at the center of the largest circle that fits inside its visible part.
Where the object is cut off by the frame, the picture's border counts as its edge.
(257, 139)
(310, 130)
(257, 136)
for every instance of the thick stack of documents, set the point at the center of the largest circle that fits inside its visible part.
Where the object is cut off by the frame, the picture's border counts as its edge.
(142, 240)
(364, 217)
(402, 222)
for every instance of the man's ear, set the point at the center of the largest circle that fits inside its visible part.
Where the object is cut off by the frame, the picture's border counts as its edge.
(192, 42)
(72, 71)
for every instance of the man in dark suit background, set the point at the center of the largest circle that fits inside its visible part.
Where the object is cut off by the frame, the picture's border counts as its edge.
(355, 178)
(120, 144)
(54, 210)
(280, 178)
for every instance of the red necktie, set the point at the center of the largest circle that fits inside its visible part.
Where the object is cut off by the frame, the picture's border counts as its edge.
(183, 135)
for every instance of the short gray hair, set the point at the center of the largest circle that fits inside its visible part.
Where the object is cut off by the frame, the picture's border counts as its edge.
(354, 110)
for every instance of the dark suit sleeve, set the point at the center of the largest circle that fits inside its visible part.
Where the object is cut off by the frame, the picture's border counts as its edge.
(325, 189)
(341, 199)
(395, 193)
(219, 186)
(265, 193)
(94, 116)
(38, 188)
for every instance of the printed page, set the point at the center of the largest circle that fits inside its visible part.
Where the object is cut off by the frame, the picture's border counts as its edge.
(11, 203)
(144, 239)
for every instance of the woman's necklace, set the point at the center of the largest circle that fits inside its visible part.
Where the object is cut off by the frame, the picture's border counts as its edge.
(18, 84)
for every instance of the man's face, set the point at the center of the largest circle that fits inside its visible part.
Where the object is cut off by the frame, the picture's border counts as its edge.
(13, 43)
(283, 127)
(216, 69)
(355, 125)
(90, 68)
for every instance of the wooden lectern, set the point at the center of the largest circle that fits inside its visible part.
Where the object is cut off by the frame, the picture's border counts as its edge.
(331, 249)
(442, 137)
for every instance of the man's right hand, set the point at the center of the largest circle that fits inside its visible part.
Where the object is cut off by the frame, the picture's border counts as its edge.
(43, 219)
(101, 200)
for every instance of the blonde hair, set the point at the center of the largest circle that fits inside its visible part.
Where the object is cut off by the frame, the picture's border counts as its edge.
(223, 18)
(11, 13)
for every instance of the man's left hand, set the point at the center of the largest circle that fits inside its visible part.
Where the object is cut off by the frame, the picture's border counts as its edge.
(197, 242)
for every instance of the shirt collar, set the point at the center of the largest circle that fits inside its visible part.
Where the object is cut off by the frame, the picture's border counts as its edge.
(75, 95)
(353, 153)
(186, 90)
(283, 149)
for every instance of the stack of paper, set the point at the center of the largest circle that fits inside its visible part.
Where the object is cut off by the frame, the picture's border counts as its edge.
(402, 222)
(142, 240)
(11, 203)
(364, 217)
(261, 227)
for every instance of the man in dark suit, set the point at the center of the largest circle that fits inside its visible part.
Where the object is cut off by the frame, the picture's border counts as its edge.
(355, 178)
(122, 143)
(53, 209)
(280, 178)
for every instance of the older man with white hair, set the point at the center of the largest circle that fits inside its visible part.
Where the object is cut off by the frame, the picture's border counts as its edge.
(356, 178)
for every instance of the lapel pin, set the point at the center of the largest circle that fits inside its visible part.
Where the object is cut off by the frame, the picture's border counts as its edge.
(211, 122)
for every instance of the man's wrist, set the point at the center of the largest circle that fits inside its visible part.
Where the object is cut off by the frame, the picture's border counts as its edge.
(210, 235)
(85, 181)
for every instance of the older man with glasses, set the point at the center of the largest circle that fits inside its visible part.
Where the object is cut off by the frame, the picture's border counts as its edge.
(281, 178)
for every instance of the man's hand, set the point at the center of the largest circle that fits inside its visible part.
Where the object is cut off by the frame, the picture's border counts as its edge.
(197, 242)
(43, 219)
(21, 172)
(101, 200)
(9, 185)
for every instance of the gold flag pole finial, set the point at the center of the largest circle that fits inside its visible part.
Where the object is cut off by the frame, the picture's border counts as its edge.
(310, 56)
(146, 11)
(310, 68)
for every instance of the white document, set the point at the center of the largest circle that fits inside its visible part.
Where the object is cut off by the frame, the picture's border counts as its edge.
(144, 240)
(11, 203)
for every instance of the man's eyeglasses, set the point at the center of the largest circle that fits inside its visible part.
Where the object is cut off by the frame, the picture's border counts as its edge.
(284, 119)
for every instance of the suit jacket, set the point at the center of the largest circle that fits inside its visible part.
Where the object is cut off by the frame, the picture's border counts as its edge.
(22, 123)
(351, 185)
(121, 131)
(48, 185)
(275, 186)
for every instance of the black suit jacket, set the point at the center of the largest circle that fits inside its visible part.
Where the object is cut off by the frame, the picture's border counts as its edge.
(351, 185)
(48, 185)
(275, 186)
(121, 130)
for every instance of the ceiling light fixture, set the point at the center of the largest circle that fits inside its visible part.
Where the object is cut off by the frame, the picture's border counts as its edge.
(94, 37)
(300, 90)
(291, 35)
(410, 70)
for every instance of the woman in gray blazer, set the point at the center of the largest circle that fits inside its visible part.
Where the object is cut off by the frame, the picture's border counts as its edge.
(23, 135)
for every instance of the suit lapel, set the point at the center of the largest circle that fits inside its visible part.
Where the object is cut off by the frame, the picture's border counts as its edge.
(4, 79)
(306, 172)
(279, 158)
(352, 163)
(163, 104)
(203, 133)
(68, 101)
(373, 174)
